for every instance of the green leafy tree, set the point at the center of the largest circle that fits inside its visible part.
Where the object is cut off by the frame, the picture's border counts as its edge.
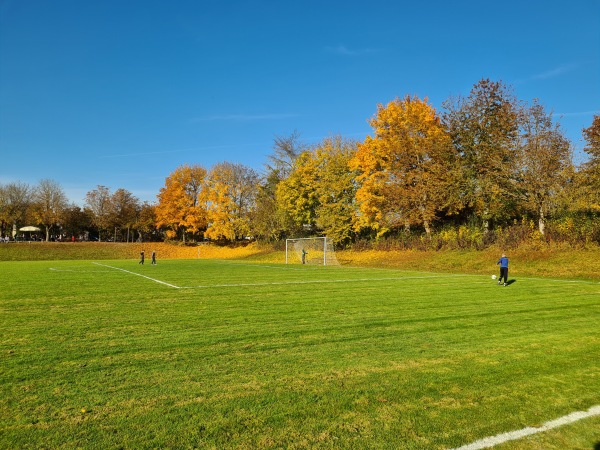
(265, 217)
(484, 128)
(589, 174)
(546, 163)
(15, 202)
(99, 203)
(126, 208)
(145, 223)
(76, 222)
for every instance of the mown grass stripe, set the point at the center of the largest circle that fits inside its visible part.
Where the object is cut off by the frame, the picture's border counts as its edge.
(426, 360)
(285, 283)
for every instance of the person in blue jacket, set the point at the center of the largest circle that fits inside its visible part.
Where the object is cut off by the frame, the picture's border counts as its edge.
(503, 262)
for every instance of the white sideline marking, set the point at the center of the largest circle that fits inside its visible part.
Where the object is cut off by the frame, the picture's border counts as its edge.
(78, 270)
(138, 274)
(518, 434)
(266, 266)
(561, 281)
(285, 283)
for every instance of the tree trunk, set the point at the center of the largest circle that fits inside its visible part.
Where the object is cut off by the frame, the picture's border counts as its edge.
(486, 221)
(47, 234)
(542, 222)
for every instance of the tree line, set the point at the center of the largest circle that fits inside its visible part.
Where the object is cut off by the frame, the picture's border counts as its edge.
(485, 168)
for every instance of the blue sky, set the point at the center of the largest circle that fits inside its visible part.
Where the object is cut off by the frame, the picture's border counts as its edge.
(120, 93)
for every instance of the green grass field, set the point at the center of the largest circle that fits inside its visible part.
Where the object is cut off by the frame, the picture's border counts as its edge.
(224, 355)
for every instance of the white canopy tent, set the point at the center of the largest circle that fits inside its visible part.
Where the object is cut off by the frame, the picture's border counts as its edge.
(29, 228)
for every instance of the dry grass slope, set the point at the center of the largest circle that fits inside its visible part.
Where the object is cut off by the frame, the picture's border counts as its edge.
(37, 251)
(529, 262)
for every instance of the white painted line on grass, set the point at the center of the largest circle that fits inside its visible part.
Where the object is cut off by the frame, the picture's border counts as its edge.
(54, 269)
(297, 267)
(559, 281)
(137, 274)
(518, 434)
(287, 283)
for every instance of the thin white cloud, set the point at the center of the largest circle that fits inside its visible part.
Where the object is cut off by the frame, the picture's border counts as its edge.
(556, 72)
(579, 113)
(345, 51)
(243, 117)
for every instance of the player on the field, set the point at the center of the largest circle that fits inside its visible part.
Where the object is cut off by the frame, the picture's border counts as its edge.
(503, 262)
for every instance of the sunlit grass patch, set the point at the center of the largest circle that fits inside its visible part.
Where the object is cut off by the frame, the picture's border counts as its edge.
(242, 355)
(48, 251)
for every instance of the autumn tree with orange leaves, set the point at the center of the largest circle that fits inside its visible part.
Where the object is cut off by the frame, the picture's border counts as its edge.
(404, 170)
(481, 170)
(180, 205)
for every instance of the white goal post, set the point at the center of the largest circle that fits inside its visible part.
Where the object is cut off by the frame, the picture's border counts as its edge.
(316, 250)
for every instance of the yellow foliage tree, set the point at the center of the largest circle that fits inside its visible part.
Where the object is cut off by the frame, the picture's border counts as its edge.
(336, 189)
(318, 194)
(230, 195)
(297, 197)
(404, 169)
(49, 203)
(180, 208)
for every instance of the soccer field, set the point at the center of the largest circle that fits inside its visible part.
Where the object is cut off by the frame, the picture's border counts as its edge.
(225, 354)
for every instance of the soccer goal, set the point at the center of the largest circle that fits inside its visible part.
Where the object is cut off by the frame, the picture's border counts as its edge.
(317, 250)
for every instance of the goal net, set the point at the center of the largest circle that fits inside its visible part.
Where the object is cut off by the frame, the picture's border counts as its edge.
(318, 250)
